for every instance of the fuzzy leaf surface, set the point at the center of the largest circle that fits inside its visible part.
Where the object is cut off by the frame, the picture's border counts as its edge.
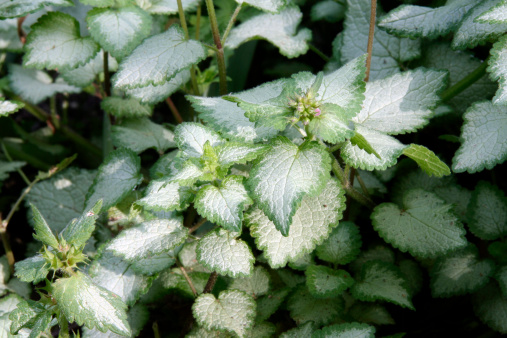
(272, 6)
(284, 175)
(43, 232)
(233, 311)
(83, 76)
(166, 6)
(55, 42)
(78, 231)
(165, 195)
(303, 307)
(152, 94)
(484, 144)
(257, 284)
(487, 212)
(324, 282)
(9, 107)
(346, 330)
(496, 13)
(491, 307)
(425, 226)
(119, 30)
(191, 138)
(497, 69)
(382, 281)
(149, 238)
(418, 21)
(224, 205)
(342, 245)
(158, 59)
(125, 108)
(13, 9)
(279, 29)
(427, 160)
(33, 269)
(141, 134)
(88, 304)
(220, 251)
(116, 177)
(310, 226)
(32, 315)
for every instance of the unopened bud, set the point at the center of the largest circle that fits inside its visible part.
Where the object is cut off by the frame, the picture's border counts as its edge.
(317, 112)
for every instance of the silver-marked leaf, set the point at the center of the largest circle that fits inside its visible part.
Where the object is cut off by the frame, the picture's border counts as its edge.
(328, 10)
(137, 316)
(484, 144)
(487, 212)
(141, 134)
(33, 269)
(427, 160)
(220, 251)
(158, 59)
(459, 273)
(88, 304)
(342, 245)
(191, 138)
(9, 107)
(382, 281)
(55, 42)
(388, 50)
(310, 226)
(12, 9)
(118, 276)
(174, 280)
(84, 75)
(257, 284)
(231, 153)
(304, 330)
(279, 29)
(149, 238)
(501, 277)
(269, 304)
(491, 307)
(43, 232)
(78, 231)
(303, 307)
(472, 32)
(151, 94)
(224, 205)
(418, 21)
(346, 330)
(154, 264)
(496, 13)
(272, 6)
(284, 175)
(165, 195)
(125, 108)
(119, 30)
(233, 311)
(116, 177)
(405, 109)
(35, 85)
(166, 6)
(30, 314)
(497, 69)
(324, 282)
(425, 226)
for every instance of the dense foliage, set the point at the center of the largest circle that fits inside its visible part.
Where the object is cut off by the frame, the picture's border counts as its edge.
(253, 168)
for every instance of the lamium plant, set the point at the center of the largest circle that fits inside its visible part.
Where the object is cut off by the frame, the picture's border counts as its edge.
(233, 168)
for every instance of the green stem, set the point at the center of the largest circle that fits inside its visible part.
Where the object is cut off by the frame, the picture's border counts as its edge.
(198, 22)
(64, 328)
(363, 186)
(7, 247)
(107, 76)
(220, 50)
(373, 16)
(319, 53)
(197, 226)
(54, 115)
(24, 156)
(353, 193)
(183, 21)
(334, 148)
(231, 23)
(9, 158)
(465, 82)
(156, 332)
(338, 171)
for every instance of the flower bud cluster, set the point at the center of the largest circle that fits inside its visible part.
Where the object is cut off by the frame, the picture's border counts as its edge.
(305, 108)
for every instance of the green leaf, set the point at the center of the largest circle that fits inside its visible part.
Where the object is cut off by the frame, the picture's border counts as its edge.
(424, 226)
(272, 6)
(382, 281)
(151, 94)
(304, 330)
(473, 30)
(149, 238)
(174, 280)
(501, 277)
(166, 6)
(30, 314)
(388, 51)
(269, 304)
(9, 107)
(43, 232)
(12, 9)
(342, 245)
(279, 29)
(427, 160)
(220, 251)
(155, 263)
(413, 274)
(78, 231)
(190, 173)
(233, 311)
(104, 310)
(32, 270)
(126, 108)
(459, 273)
(116, 177)
(35, 86)
(83, 76)
(487, 212)
(284, 175)
(406, 109)
(495, 14)
(328, 10)
(257, 284)
(8, 167)
(418, 21)
(373, 313)
(141, 134)
(224, 205)
(310, 226)
(497, 69)
(359, 141)
(388, 147)
(7, 305)
(168, 54)
(484, 144)
(491, 307)
(165, 195)
(119, 30)
(376, 252)
(346, 330)
(303, 307)
(54, 42)
(230, 120)
(231, 153)
(116, 275)
(191, 138)
(324, 282)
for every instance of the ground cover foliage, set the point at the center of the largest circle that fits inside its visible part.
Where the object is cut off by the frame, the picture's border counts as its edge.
(241, 168)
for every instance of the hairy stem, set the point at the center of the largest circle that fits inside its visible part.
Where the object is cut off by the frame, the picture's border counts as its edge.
(198, 22)
(187, 277)
(183, 21)
(231, 23)
(353, 193)
(220, 53)
(465, 82)
(363, 186)
(211, 282)
(373, 16)
(107, 76)
(174, 110)
(319, 52)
